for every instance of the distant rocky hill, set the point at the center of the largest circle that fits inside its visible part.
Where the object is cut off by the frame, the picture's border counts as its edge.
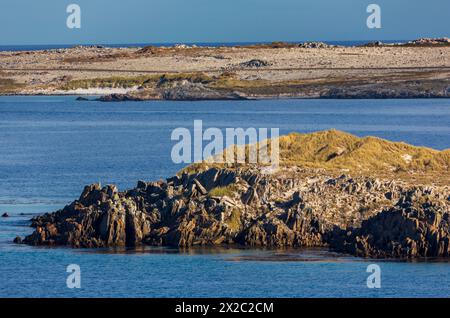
(353, 195)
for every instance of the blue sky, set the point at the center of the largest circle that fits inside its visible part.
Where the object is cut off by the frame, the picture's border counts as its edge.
(24, 22)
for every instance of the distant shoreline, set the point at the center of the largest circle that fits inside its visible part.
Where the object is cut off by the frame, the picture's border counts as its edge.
(277, 70)
(41, 47)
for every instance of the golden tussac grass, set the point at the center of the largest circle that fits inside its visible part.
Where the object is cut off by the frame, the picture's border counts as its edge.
(334, 150)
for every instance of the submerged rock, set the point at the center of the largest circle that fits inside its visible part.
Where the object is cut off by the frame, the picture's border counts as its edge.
(119, 98)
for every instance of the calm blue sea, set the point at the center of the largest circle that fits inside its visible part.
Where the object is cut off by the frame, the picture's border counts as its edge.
(50, 147)
(214, 44)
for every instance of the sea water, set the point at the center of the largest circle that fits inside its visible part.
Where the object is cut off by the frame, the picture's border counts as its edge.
(50, 147)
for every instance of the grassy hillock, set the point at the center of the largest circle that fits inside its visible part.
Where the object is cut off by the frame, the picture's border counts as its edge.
(337, 151)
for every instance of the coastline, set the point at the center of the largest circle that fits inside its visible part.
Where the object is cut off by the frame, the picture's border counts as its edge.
(417, 69)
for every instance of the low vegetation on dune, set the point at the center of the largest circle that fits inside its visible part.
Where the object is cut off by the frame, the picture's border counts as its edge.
(226, 81)
(107, 82)
(135, 81)
(9, 86)
(191, 77)
(222, 83)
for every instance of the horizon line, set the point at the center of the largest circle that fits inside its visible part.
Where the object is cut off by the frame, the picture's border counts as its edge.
(203, 43)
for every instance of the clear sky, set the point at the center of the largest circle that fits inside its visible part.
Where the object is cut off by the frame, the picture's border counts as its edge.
(24, 22)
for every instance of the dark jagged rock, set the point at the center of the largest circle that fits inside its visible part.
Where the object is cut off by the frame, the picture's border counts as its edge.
(186, 90)
(361, 216)
(119, 98)
(407, 89)
(429, 42)
(100, 217)
(5, 215)
(417, 226)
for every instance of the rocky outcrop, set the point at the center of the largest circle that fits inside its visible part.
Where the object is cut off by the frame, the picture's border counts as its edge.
(100, 217)
(296, 207)
(314, 45)
(255, 63)
(429, 42)
(417, 226)
(431, 88)
(178, 89)
(185, 90)
(423, 42)
(120, 98)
